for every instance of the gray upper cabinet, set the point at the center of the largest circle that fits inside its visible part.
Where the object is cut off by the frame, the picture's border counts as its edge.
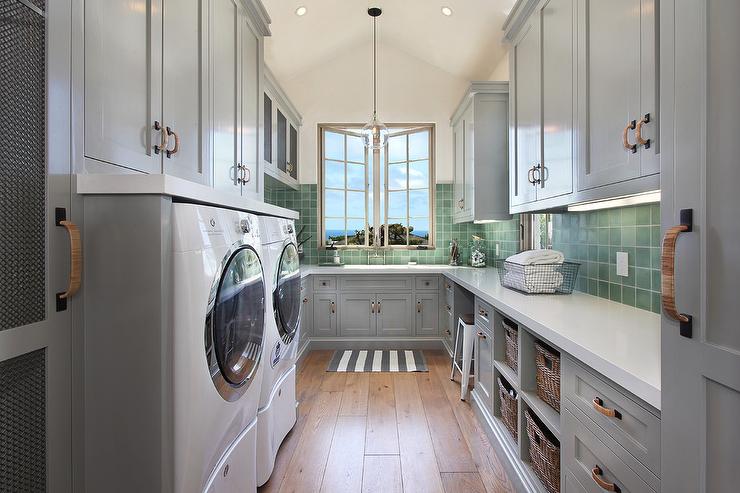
(582, 74)
(525, 112)
(185, 101)
(542, 105)
(225, 82)
(483, 112)
(616, 69)
(123, 99)
(176, 90)
(251, 101)
(281, 140)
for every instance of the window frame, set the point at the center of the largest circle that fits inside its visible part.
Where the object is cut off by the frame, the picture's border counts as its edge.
(375, 181)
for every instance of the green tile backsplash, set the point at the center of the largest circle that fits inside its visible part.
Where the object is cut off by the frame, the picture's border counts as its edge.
(590, 238)
(304, 201)
(594, 238)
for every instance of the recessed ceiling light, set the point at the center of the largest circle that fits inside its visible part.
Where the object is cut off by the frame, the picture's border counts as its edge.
(301, 11)
(446, 11)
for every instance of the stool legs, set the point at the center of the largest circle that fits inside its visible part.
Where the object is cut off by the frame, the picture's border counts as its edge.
(467, 355)
(454, 352)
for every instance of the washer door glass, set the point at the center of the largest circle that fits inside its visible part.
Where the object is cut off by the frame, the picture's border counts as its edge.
(287, 296)
(239, 316)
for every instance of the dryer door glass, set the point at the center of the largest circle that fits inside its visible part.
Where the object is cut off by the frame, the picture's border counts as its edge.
(287, 296)
(239, 316)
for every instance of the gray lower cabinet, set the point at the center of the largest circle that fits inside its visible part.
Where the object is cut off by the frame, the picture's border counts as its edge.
(325, 314)
(306, 311)
(357, 314)
(483, 352)
(427, 314)
(592, 461)
(395, 314)
(633, 426)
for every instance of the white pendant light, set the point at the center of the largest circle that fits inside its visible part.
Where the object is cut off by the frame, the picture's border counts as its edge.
(375, 133)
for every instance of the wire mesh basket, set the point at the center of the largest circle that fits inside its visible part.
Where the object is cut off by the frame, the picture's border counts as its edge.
(538, 278)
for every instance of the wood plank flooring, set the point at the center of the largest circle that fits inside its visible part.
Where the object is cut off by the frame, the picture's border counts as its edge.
(384, 432)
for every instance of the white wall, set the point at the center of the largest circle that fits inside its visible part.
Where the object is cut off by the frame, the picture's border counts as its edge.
(501, 72)
(409, 91)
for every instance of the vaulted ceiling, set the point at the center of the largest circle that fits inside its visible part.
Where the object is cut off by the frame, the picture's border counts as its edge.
(466, 44)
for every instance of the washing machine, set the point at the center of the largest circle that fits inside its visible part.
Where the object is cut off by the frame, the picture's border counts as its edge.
(219, 307)
(277, 408)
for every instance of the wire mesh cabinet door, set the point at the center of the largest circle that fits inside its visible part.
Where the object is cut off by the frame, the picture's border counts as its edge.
(36, 247)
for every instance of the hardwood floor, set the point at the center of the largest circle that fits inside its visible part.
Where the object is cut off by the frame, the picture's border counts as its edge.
(384, 432)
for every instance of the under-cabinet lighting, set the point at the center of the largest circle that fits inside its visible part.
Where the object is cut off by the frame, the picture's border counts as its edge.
(643, 198)
(446, 11)
(301, 11)
(484, 221)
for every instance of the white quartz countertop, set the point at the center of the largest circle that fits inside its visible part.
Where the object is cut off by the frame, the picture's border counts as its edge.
(618, 341)
(141, 184)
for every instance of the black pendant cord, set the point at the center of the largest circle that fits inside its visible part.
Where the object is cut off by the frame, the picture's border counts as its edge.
(375, 72)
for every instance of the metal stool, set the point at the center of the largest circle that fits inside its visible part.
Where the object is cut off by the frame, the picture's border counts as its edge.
(465, 330)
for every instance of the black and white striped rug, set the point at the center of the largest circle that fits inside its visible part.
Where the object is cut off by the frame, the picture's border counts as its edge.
(376, 360)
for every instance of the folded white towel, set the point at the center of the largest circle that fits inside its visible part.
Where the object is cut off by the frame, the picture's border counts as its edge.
(531, 284)
(540, 256)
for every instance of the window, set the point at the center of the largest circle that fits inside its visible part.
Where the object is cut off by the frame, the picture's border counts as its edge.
(539, 228)
(377, 198)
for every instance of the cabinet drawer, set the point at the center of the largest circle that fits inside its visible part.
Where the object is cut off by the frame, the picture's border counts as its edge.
(483, 313)
(633, 426)
(427, 282)
(583, 452)
(376, 283)
(325, 283)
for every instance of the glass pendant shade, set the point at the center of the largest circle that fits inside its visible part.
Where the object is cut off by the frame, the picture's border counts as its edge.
(375, 134)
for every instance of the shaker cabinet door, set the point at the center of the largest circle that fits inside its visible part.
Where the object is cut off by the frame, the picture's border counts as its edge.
(557, 65)
(357, 317)
(185, 98)
(609, 47)
(427, 314)
(251, 100)
(225, 80)
(394, 314)
(123, 84)
(324, 315)
(526, 118)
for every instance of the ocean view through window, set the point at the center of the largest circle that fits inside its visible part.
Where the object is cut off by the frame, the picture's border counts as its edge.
(381, 198)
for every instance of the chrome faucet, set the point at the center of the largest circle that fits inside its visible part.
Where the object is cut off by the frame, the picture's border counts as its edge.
(375, 252)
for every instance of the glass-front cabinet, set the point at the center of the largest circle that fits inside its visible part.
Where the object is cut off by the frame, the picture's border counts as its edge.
(282, 124)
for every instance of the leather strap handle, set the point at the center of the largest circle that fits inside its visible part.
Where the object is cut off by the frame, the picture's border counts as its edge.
(599, 406)
(163, 136)
(75, 257)
(638, 131)
(668, 273)
(596, 473)
(625, 139)
(176, 149)
(481, 335)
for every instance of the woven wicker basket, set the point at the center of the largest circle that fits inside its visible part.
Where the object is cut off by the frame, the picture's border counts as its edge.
(512, 345)
(509, 413)
(548, 375)
(544, 452)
